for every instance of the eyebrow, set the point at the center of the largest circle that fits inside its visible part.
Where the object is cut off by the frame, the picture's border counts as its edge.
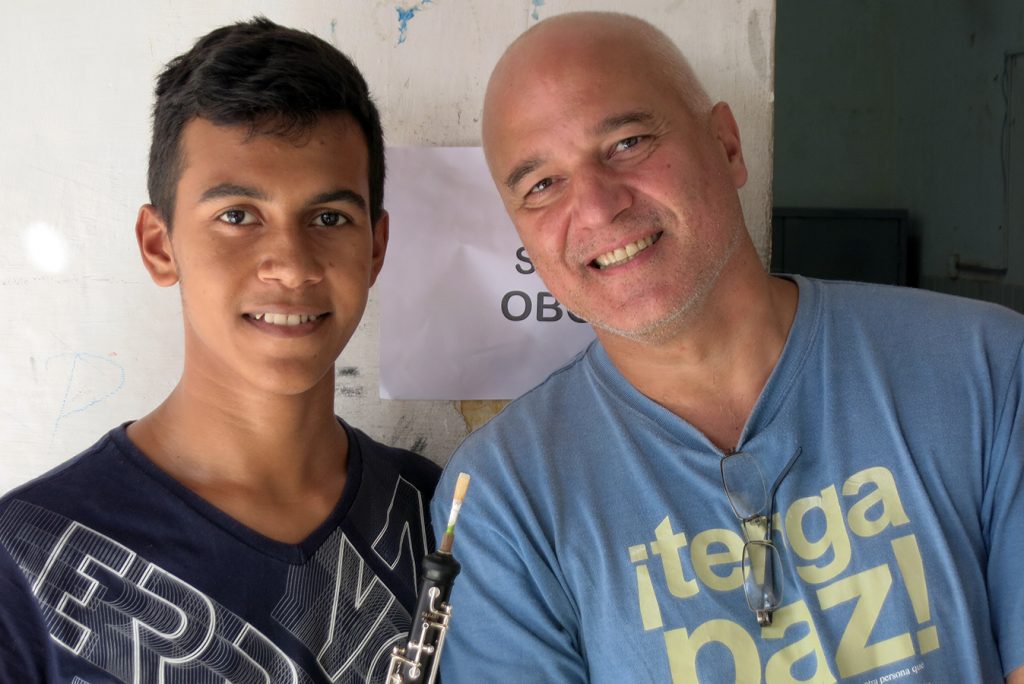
(235, 190)
(340, 195)
(521, 171)
(617, 121)
(231, 190)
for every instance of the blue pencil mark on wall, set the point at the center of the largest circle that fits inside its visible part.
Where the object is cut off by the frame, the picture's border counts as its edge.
(405, 15)
(334, 31)
(537, 4)
(91, 380)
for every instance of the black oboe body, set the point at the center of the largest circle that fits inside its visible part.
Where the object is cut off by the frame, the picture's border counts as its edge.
(418, 661)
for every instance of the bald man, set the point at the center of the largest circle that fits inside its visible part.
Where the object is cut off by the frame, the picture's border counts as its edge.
(745, 478)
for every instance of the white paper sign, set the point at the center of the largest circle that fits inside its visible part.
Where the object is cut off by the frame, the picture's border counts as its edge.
(459, 318)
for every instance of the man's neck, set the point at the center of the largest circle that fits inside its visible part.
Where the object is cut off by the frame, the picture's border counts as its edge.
(275, 463)
(712, 371)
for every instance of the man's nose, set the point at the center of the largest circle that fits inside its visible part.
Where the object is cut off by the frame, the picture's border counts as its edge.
(290, 257)
(600, 194)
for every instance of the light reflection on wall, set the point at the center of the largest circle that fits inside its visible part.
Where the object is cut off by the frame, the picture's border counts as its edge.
(45, 247)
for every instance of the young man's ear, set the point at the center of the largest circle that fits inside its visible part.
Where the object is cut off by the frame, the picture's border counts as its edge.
(725, 130)
(155, 246)
(380, 245)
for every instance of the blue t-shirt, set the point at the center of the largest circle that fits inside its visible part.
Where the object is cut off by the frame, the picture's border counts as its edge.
(137, 579)
(598, 544)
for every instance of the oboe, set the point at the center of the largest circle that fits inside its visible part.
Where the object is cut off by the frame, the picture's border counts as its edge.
(419, 660)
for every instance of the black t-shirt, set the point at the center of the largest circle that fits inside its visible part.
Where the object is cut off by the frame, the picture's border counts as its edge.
(138, 579)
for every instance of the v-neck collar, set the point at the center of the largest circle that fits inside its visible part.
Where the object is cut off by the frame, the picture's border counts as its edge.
(289, 553)
(799, 342)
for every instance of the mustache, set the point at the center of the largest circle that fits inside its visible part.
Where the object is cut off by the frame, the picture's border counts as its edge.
(643, 217)
(636, 220)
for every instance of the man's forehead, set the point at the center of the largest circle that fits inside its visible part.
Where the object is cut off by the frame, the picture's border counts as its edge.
(591, 103)
(208, 139)
(216, 158)
(571, 55)
(562, 83)
(575, 80)
(282, 130)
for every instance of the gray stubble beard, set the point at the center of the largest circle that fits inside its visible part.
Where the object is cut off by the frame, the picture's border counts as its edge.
(668, 326)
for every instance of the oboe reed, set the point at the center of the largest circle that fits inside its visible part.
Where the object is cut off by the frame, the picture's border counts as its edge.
(461, 485)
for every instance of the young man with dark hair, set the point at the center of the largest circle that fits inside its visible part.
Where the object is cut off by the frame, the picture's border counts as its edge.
(241, 531)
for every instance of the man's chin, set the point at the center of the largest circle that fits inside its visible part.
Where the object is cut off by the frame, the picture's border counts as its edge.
(656, 328)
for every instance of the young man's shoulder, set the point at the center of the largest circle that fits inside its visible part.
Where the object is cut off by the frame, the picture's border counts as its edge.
(404, 462)
(26, 651)
(388, 476)
(79, 475)
(76, 478)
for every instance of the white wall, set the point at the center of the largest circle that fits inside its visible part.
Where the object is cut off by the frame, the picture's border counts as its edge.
(90, 342)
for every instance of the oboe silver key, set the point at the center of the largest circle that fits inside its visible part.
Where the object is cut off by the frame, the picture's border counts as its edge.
(418, 661)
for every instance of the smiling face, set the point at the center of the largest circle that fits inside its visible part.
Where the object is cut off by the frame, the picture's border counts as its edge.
(273, 249)
(623, 196)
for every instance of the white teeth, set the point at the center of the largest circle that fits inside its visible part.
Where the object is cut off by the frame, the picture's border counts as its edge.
(622, 254)
(284, 319)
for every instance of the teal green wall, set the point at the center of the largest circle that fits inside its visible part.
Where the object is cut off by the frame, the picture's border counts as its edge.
(899, 104)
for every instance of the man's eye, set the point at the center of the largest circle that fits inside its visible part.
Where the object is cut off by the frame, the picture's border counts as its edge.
(237, 217)
(329, 219)
(540, 186)
(627, 143)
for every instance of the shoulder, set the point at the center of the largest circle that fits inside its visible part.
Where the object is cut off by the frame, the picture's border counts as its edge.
(389, 461)
(73, 479)
(527, 444)
(98, 491)
(930, 320)
(540, 403)
(26, 650)
(920, 305)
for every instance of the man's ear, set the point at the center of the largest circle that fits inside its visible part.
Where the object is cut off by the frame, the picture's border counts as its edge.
(155, 246)
(727, 133)
(380, 245)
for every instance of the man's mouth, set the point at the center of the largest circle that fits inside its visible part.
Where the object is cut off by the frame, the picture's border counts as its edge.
(621, 255)
(288, 320)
